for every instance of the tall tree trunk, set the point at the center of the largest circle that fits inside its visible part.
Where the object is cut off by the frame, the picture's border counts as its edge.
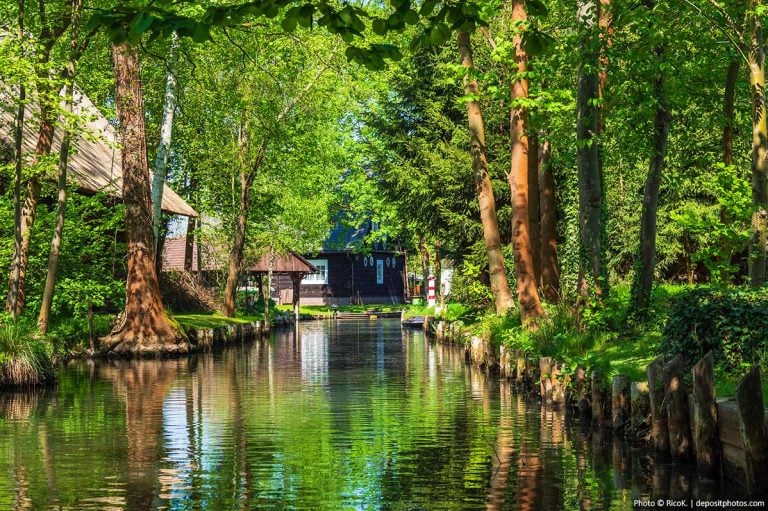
(646, 263)
(534, 207)
(424, 253)
(438, 273)
(527, 293)
(550, 269)
(189, 244)
(164, 147)
(58, 230)
(728, 109)
(592, 270)
(267, 317)
(18, 137)
(756, 55)
(49, 34)
(247, 175)
(61, 206)
(605, 24)
(485, 198)
(143, 328)
(238, 245)
(248, 172)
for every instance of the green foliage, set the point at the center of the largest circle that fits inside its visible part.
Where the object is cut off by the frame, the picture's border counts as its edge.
(70, 335)
(720, 229)
(25, 357)
(733, 324)
(468, 288)
(457, 312)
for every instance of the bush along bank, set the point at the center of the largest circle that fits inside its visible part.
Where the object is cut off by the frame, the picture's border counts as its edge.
(668, 402)
(26, 358)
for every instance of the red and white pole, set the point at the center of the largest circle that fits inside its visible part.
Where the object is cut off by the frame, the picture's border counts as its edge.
(431, 298)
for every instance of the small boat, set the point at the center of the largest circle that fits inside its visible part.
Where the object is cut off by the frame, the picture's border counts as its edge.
(414, 321)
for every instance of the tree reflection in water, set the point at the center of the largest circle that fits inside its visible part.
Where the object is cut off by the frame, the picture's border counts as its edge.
(332, 415)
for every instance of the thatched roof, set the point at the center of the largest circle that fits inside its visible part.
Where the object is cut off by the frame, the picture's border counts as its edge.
(173, 259)
(95, 164)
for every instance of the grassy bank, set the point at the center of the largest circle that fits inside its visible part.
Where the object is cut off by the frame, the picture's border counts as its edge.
(602, 336)
(215, 320)
(26, 357)
(326, 310)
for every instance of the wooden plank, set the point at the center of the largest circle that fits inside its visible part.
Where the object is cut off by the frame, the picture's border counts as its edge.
(640, 404)
(676, 400)
(519, 367)
(598, 401)
(705, 435)
(579, 385)
(545, 367)
(659, 430)
(749, 406)
(620, 411)
(728, 423)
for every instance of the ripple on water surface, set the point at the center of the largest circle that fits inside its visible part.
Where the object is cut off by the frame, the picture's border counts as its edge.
(344, 415)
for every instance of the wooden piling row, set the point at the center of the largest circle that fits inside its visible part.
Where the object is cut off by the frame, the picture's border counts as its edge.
(723, 437)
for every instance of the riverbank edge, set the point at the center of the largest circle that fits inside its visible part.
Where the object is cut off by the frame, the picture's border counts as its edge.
(729, 441)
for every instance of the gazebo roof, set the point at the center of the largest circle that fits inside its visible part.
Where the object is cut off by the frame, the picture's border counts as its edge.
(173, 259)
(95, 165)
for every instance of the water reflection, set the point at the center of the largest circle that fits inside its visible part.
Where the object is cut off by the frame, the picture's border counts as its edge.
(334, 415)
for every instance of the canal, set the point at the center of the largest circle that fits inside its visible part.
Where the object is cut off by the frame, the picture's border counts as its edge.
(337, 415)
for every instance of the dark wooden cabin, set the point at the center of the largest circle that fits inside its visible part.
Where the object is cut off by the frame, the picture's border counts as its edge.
(351, 272)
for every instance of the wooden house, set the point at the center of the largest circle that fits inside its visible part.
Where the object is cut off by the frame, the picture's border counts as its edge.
(95, 163)
(350, 271)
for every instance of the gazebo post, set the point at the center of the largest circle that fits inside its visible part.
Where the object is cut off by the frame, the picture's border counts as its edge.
(189, 244)
(296, 281)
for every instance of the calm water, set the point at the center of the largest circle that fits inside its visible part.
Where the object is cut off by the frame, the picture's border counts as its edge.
(351, 415)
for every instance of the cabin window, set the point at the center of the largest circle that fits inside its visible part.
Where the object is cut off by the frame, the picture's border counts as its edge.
(320, 276)
(379, 271)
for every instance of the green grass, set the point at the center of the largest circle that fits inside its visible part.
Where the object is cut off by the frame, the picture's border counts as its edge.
(324, 310)
(726, 386)
(603, 338)
(26, 358)
(215, 320)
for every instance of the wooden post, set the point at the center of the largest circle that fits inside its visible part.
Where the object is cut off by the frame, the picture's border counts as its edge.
(620, 412)
(428, 324)
(598, 402)
(622, 463)
(582, 399)
(640, 404)
(558, 385)
(676, 401)
(189, 245)
(659, 430)
(90, 326)
(545, 367)
(749, 404)
(519, 367)
(296, 281)
(705, 434)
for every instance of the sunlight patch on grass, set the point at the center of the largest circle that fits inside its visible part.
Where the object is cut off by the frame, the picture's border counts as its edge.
(203, 320)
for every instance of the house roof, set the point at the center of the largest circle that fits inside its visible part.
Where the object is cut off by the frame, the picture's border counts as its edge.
(174, 249)
(343, 237)
(96, 163)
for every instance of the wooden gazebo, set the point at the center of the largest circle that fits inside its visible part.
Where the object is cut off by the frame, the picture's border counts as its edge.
(178, 256)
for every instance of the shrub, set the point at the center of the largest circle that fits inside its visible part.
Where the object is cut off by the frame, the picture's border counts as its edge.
(71, 334)
(25, 357)
(731, 323)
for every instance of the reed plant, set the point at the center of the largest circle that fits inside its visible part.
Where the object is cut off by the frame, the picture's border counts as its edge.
(26, 358)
